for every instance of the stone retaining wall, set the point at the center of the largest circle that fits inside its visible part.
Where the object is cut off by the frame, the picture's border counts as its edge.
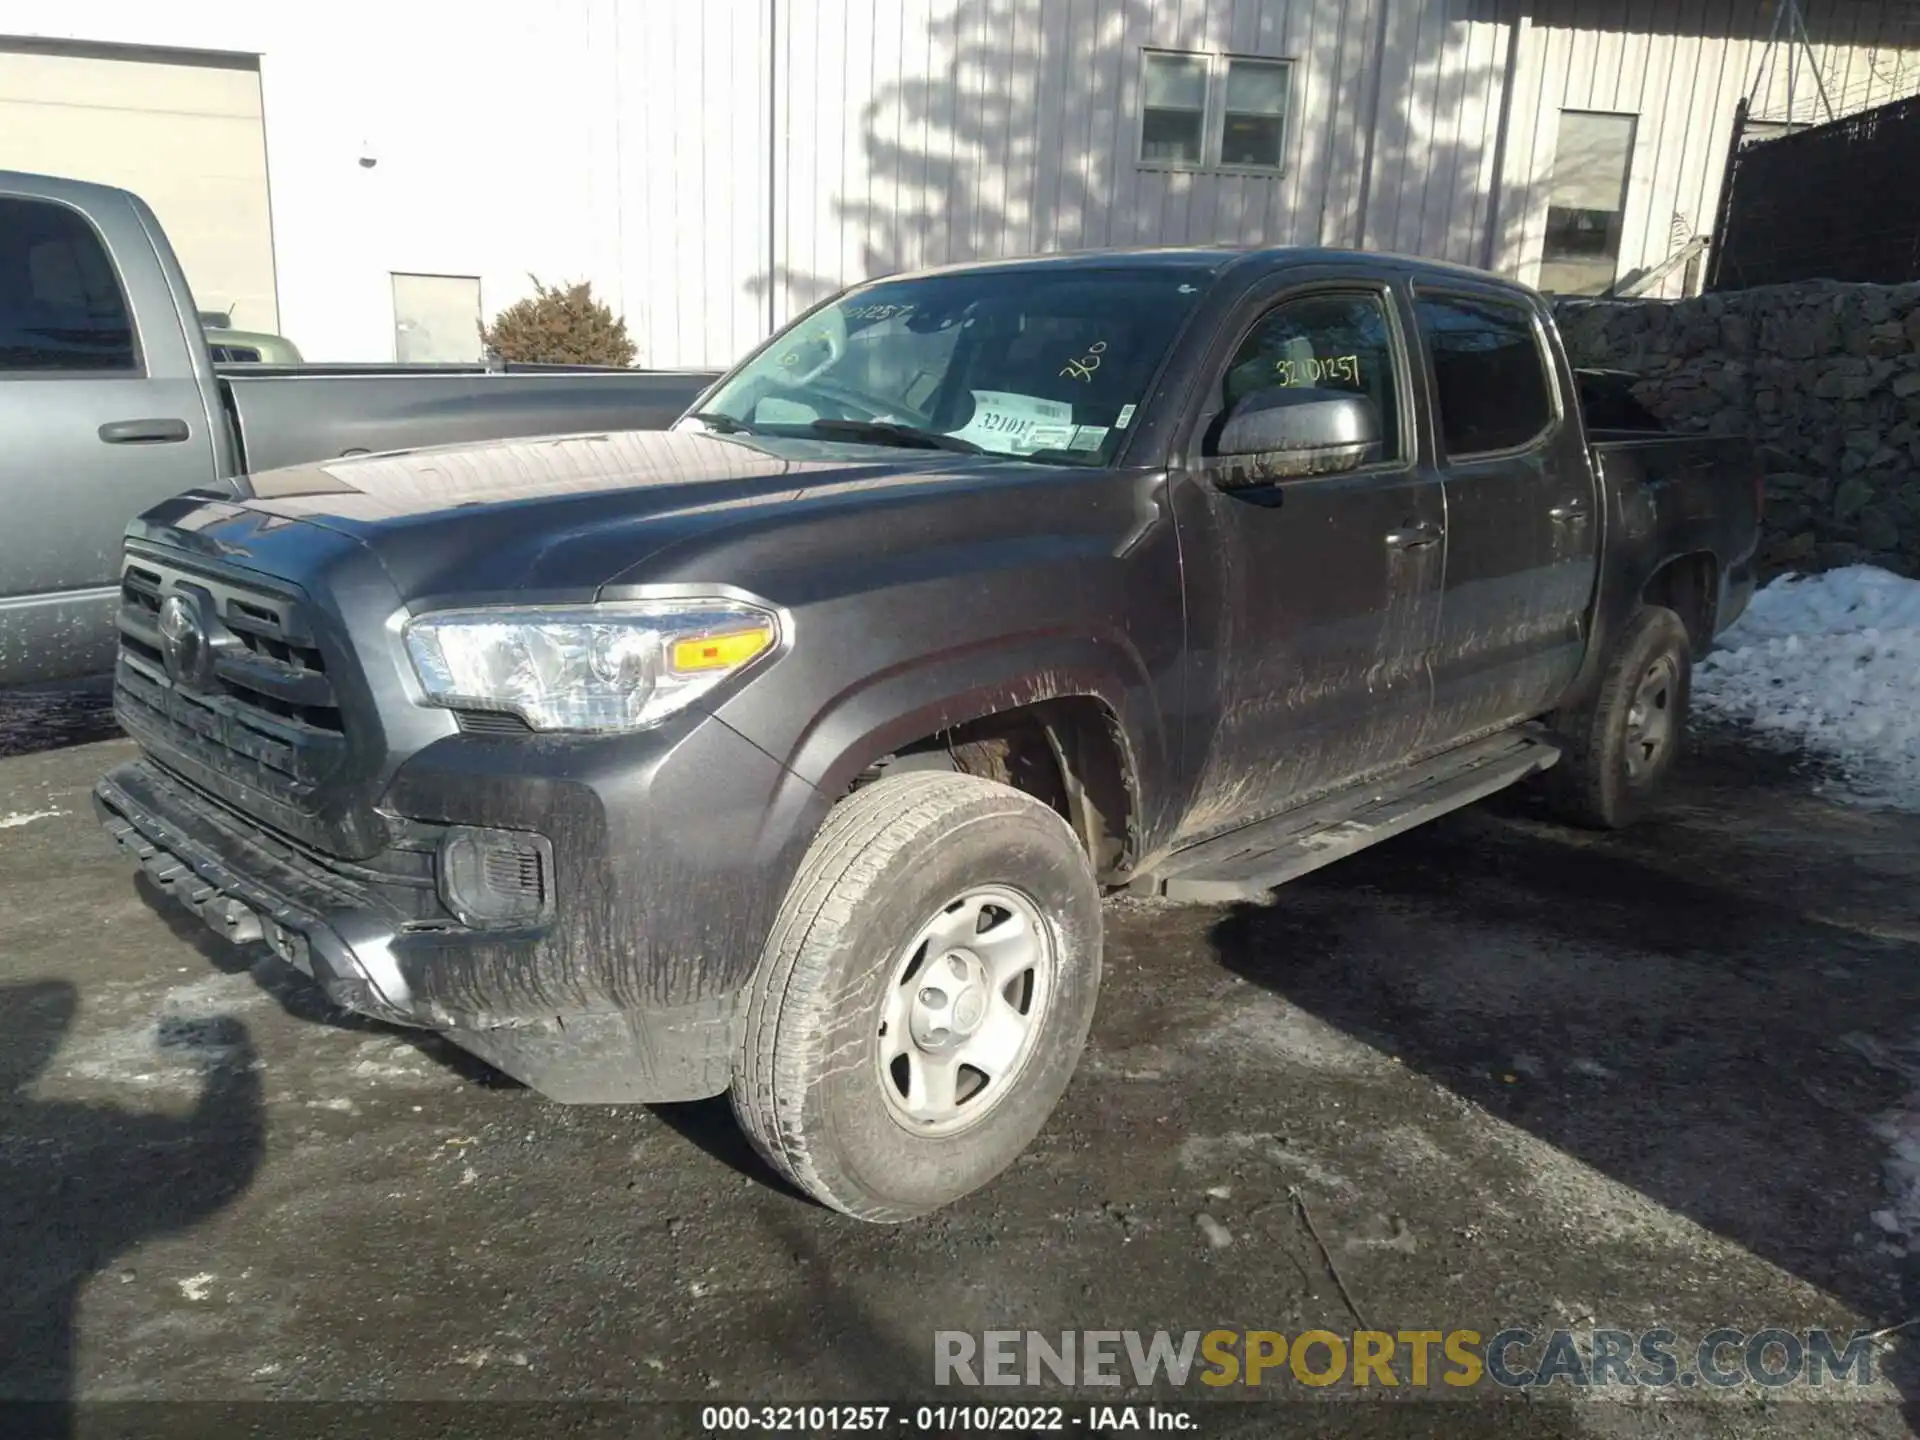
(1824, 376)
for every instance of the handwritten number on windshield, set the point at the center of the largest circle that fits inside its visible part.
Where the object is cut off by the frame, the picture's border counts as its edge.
(1083, 368)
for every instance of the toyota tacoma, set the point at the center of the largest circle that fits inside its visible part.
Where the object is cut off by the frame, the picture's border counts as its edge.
(788, 752)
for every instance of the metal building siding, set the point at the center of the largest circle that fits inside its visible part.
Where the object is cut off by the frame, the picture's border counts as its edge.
(1680, 67)
(689, 111)
(917, 132)
(923, 132)
(1442, 67)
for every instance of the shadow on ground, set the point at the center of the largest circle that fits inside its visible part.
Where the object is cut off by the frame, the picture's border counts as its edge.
(81, 1184)
(52, 717)
(301, 997)
(1703, 1008)
(709, 1126)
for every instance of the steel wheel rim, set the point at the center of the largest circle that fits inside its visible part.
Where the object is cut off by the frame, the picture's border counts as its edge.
(964, 1008)
(1650, 716)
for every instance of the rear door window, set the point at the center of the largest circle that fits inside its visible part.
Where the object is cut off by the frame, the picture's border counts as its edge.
(1492, 387)
(61, 306)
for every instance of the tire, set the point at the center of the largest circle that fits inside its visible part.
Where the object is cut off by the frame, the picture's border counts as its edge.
(1614, 762)
(814, 1088)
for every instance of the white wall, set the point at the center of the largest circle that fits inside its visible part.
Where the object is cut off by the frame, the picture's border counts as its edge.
(486, 140)
(922, 132)
(689, 154)
(627, 141)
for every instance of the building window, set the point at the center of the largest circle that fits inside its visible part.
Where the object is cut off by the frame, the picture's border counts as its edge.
(1174, 113)
(1586, 202)
(436, 319)
(1201, 112)
(1253, 123)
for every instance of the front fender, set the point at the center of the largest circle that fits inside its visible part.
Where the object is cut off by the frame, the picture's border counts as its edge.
(869, 716)
(881, 713)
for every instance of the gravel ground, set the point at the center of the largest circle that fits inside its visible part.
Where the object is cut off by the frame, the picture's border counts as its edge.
(1519, 1076)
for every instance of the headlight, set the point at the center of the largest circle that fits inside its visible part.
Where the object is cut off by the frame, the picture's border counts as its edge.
(619, 666)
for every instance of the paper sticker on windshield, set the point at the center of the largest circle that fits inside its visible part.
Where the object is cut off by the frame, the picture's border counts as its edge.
(777, 410)
(1087, 437)
(1126, 414)
(1005, 421)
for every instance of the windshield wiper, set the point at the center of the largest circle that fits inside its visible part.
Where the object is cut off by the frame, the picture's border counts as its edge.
(725, 424)
(887, 432)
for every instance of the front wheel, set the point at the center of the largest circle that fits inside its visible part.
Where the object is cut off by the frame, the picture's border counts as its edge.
(1621, 747)
(924, 996)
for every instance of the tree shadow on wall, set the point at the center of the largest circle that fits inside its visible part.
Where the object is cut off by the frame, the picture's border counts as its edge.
(1021, 136)
(1015, 126)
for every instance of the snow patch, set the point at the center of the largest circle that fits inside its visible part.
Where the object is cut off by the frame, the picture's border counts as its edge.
(1217, 1236)
(195, 1287)
(1900, 1129)
(170, 1046)
(1829, 663)
(1204, 1152)
(26, 817)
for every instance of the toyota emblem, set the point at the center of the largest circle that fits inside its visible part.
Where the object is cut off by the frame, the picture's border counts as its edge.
(183, 639)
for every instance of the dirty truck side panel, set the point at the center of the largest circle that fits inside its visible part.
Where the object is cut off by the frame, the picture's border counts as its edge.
(1311, 623)
(1679, 501)
(1522, 537)
(966, 600)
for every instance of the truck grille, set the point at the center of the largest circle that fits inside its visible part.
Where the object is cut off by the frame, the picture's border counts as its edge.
(229, 675)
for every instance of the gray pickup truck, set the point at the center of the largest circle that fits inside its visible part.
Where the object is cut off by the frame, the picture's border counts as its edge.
(112, 401)
(788, 752)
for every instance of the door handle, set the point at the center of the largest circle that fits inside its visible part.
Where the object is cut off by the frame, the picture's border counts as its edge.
(1415, 537)
(1572, 511)
(144, 432)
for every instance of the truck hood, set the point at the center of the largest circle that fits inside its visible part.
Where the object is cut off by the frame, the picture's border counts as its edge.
(566, 515)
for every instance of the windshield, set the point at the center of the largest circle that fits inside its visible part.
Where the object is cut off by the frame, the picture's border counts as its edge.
(1045, 362)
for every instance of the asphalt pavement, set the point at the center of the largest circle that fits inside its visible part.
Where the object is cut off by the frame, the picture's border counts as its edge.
(1495, 1074)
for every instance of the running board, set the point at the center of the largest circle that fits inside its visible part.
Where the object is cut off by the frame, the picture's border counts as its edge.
(1245, 864)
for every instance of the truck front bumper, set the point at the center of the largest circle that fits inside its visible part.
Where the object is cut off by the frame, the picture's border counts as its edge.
(625, 993)
(247, 887)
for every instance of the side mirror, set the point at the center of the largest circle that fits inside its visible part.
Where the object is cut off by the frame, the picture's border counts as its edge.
(1287, 433)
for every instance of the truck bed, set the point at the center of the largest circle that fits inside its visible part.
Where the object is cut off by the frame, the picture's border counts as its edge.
(1697, 494)
(290, 415)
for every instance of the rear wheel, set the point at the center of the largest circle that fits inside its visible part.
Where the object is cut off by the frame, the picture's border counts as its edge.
(924, 995)
(1621, 747)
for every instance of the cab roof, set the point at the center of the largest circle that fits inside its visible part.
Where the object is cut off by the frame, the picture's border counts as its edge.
(1209, 259)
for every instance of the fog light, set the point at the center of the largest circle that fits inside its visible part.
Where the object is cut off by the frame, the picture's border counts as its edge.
(493, 878)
